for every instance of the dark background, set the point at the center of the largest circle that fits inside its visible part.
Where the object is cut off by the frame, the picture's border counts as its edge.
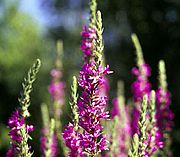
(156, 22)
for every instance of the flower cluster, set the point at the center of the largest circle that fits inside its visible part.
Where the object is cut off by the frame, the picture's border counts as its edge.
(19, 132)
(15, 123)
(92, 101)
(87, 45)
(72, 140)
(92, 106)
(139, 88)
(142, 87)
(56, 88)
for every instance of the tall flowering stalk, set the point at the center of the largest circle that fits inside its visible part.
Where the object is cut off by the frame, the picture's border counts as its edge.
(56, 89)
(19, 132)
(164, 114)
(91, 104)
(141, 86)
(122, 130)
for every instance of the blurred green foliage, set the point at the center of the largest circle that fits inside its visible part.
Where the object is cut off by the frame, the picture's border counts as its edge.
(21, 42)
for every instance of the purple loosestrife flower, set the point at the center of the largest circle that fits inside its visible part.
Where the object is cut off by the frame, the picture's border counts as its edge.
(139, 88)
(89, 38)
(57, 92)
(91, 103)
(15, 123)
(164, 116)
(19, 132)
(92, 107)
(142, 85)
(87, 46)
(56, 88)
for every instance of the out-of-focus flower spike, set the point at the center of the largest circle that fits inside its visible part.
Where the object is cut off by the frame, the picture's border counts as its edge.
(56, 89)
(142, 128)
(164, 114)
(139, 53)
(73, 103)
(134, 151)
(142, 85)
(93, 10)
(19, 133)
(60, 85)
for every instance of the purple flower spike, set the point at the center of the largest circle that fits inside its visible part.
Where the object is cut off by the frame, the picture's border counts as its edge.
(91, 103)
(89, 36)
(56, 88)
(15, 123)
(140, 87)
(92, 107)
